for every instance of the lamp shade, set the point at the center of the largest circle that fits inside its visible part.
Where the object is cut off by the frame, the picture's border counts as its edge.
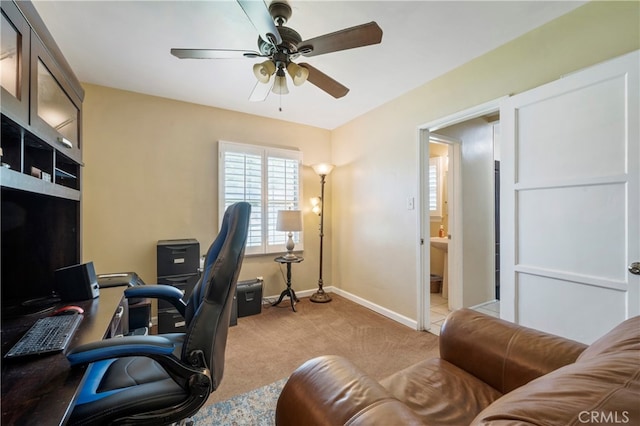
(280, 83)
(298, 74)
(264, 71)
(289, 221)
(322, 169)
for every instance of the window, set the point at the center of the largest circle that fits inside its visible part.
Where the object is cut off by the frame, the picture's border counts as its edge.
(268, 179)
(435, 188)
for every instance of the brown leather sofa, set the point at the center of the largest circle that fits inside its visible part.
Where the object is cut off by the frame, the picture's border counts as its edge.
(490, 372)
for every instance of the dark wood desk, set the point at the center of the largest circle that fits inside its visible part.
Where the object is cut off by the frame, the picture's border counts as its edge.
(41, 391)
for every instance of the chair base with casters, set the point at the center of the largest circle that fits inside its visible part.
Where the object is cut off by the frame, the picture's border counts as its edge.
(165, 379)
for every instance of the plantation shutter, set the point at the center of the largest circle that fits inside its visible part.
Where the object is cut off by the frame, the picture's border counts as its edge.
(267, 178)
(435, 188)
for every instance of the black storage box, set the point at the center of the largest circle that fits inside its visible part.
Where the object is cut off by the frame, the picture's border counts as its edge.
(249, 297)
(178, 257)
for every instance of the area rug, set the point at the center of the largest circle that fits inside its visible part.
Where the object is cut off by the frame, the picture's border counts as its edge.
(253, 408)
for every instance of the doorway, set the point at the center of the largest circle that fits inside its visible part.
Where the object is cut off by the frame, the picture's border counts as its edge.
(471, 208)
(444, 236)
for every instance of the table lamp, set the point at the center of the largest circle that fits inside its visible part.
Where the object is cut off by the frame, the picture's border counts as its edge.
(289, 221)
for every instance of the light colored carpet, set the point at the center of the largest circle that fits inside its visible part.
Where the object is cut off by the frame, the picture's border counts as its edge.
(253, 408)
(267, 347)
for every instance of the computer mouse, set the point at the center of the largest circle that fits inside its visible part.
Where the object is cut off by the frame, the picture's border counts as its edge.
(69, 310)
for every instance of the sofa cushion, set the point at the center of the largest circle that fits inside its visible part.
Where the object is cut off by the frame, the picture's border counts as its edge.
(601, 387)
(624, 337)
(440, 393)
(330, 390)
(500, 353)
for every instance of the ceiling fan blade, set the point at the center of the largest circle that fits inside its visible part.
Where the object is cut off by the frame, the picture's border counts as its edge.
(324, 82)
(213, 54)
(261, 91)
(259, 15)
(348, 38)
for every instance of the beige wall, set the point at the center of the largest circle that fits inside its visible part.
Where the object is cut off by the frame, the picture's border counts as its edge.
(151, 163)
(151, 173)
(376, 241)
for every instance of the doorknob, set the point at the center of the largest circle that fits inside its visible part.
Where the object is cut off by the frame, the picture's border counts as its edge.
(634, 268)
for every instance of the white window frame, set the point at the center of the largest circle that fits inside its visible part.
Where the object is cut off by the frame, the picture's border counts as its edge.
(263, 209)
(435, 176)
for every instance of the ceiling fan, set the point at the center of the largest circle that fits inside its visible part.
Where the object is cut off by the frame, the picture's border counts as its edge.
(281, 45)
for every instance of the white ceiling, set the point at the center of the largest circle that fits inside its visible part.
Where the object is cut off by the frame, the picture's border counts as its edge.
(125, 45)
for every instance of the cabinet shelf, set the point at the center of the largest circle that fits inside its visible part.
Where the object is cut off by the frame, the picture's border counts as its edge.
(13, 179)
(63, 175)
(42, 167)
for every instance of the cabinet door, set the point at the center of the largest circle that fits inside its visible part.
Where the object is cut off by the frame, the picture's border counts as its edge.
(14, 64)
(55, 110)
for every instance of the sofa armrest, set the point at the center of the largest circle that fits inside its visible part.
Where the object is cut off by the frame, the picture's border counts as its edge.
(330, 390)
(500, 353)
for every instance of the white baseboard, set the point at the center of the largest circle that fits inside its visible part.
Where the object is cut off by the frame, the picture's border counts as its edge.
(376, 308)
(268, 300)
(352, 297)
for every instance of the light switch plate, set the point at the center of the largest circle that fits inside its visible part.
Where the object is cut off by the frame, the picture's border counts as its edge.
(410, 203)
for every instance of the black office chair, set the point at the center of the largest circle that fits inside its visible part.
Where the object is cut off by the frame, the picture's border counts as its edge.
(166, 378)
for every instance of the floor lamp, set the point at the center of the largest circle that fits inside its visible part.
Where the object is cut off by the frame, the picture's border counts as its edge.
(321, 170)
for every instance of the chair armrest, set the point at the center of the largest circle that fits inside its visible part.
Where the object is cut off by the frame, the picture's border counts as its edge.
(500, 353)
(159, 291)
(119, 347)
(160, 349)
(330, 390)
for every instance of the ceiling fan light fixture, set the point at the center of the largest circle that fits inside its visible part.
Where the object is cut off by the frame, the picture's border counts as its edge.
(298, 74)
(280, 83)
(264, 71)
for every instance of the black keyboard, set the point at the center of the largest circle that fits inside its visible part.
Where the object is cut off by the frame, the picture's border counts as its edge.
(47, 335)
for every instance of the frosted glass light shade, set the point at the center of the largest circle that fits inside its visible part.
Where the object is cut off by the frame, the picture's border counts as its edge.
(322, 169)
(315, 205)
(298, 74)
(280, 85)
(264, 71)
(289, 220)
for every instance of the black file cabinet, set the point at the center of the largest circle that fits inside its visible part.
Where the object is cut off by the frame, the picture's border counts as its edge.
(178, 262)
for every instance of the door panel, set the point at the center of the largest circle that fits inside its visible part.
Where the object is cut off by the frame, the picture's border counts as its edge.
(563, 226)
(572, 306)
(570, 200)
(549, 139)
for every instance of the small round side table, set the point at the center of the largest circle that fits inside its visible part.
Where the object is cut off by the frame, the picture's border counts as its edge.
(288, 291)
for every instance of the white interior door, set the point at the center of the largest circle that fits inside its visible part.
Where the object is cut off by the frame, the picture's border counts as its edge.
(570, 202)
